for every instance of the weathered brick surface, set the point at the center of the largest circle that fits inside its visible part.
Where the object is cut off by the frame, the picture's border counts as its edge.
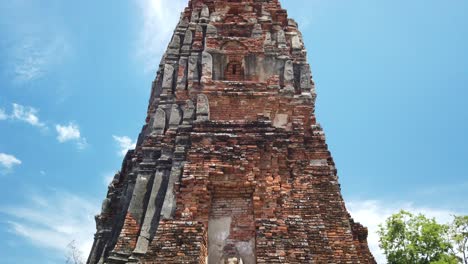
(179, 242)
(231, 164)
(128, 234)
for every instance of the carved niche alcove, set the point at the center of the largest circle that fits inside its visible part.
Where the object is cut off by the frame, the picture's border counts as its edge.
(229, 63)
(234, 71)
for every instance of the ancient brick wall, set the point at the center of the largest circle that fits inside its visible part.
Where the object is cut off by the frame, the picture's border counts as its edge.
(231, 165)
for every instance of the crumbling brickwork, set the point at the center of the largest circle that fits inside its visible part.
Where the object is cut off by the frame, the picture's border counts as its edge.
(231, 165)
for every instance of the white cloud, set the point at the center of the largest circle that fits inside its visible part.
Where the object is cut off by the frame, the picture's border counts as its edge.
(372, 213)
(52, 221)
(26, 114)
(160, 18)
(8, 161)
(3, 115)
(67, 132)
(125, 144)
(70, 132)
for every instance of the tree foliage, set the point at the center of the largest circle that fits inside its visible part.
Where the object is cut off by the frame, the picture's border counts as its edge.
(415, 239)
(458, 234)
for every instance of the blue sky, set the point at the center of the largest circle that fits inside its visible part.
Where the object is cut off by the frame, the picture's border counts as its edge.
(75, 77)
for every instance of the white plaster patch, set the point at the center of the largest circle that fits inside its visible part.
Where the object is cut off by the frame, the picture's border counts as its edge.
(218, 232)
(319, 162)
(246, 251)
(280, 121)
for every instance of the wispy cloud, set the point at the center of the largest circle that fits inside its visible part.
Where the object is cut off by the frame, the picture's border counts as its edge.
(30, 62)
(3, 115)
(52, 221)
(26, 114)
(7, 162)
(35, 57)
(22, 113)
(125, 143)
(70, 132)
(160, 18)
(35, 40)
(371, 213)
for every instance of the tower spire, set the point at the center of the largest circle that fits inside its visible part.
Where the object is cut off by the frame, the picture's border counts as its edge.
(231, 165)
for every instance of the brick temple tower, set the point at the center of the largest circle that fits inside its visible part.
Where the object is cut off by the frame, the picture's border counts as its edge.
(231, 165)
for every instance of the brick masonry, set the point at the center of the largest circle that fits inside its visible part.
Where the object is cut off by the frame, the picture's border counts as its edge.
(231, 165)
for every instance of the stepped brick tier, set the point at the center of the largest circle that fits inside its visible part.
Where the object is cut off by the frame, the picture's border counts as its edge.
(231, 165)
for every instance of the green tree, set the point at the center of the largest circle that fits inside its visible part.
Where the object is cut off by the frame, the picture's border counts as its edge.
(415, 239)
(446, 259)
(458, 234)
